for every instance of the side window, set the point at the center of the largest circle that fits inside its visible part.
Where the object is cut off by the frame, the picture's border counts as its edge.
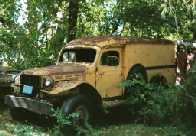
(110, 58)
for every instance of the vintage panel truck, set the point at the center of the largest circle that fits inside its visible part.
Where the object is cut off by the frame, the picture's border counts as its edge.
(88, 73)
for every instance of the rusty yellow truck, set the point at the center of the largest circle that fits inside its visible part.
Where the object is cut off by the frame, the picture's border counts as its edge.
(88, 73)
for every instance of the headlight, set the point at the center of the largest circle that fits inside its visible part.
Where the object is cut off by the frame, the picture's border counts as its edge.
(48, 82)
(13, 77)
(17, 79)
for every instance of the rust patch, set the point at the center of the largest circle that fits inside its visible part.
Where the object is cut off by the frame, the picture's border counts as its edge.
(59, 69)
(104, 41)
(68, 77)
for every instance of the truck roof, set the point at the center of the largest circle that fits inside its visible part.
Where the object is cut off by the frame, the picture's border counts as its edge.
(107, 41)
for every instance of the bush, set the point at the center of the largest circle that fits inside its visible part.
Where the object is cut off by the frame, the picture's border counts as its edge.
(190, 97)
(64, 124)
(152, 103)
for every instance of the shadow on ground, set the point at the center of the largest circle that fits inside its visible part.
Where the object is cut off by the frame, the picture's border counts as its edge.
(115, 116)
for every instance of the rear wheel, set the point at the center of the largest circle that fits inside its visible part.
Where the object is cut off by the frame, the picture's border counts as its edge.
(159, 80)
(138, 72)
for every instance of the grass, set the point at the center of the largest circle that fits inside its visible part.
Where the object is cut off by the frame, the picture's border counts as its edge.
(9, 127)
(113, 125)
(20, 129)
(137, 130)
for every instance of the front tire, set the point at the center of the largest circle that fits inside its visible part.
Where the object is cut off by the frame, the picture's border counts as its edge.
(80, 105)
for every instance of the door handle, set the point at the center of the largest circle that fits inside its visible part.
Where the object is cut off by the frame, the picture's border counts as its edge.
(100, 74)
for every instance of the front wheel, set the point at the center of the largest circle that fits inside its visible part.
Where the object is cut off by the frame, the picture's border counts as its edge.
(80, 106)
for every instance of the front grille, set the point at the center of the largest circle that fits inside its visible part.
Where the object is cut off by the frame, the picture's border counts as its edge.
(30, 80)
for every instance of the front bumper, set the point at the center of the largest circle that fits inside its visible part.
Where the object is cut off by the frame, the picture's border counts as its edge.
(36, 106)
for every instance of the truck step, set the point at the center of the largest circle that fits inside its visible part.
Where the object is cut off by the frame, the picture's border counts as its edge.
(113, 103)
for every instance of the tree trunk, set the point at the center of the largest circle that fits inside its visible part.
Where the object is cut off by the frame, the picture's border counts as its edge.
(2, 20)
(194, 20)
(194, 35)
(72, 22)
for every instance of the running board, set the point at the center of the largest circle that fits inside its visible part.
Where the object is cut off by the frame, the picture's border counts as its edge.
(113, 103)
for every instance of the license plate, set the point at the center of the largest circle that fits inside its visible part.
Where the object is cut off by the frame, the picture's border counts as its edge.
(27, 89)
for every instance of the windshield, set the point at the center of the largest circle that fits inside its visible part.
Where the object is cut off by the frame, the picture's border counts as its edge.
(78, 55)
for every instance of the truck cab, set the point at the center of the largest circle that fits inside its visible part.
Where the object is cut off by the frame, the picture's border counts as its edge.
(103, 67)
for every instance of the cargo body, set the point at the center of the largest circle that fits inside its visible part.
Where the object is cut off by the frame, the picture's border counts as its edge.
(157, 59)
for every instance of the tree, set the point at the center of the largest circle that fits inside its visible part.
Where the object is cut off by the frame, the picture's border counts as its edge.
(157, 19)
(38, 41)
(141, 18)
(194, 20)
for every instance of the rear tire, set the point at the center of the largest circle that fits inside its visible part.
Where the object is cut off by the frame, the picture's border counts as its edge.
(137, 72)
(159, 80)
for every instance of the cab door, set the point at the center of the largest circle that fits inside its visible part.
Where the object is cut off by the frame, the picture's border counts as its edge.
(109, 73)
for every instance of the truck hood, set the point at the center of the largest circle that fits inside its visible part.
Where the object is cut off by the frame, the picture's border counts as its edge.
(59, 69)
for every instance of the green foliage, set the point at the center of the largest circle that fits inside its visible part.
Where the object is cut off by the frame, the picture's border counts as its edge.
(37, 41)
(156, 19)
(190, 97)
(138, 130)
(20, 129)
(141, 18)
(65, 123)
(153, 104)
(62, 119)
